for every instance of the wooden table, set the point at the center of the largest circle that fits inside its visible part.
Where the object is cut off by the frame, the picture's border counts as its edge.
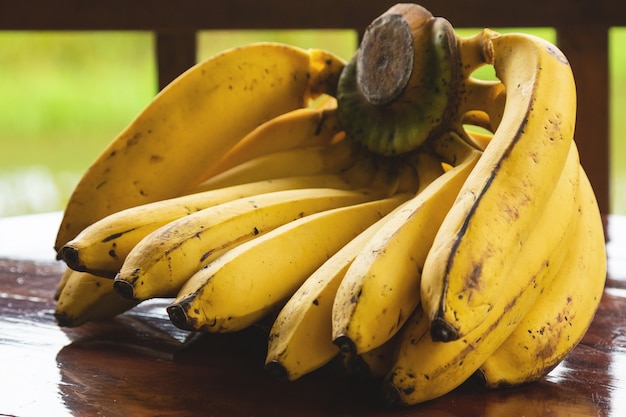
(140, 365)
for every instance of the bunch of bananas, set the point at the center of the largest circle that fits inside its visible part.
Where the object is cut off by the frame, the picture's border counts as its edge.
(393, 213)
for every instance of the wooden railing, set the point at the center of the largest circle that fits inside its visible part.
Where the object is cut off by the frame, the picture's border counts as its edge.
(582, 28)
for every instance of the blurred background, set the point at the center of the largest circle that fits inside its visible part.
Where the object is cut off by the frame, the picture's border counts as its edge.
(73, 92)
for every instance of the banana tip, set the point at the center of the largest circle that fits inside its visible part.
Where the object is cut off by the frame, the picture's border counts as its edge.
(442, 331)
(178, 316)
(124, 289)
(391, 394)
(64, 320)
(276, 370)
(345, 344)
(70, 256)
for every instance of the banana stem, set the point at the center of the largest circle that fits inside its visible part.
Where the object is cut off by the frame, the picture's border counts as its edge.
(476, 51)
(487, 97)
(385, 59)
(453, 148)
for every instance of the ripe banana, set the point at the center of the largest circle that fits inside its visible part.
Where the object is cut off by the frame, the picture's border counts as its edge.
(312, 160)
(561, 316)
(85, 298)
(167, 149)
(269, 268)
(65, 276)
(382, 286)
(501, 201)
(426, 368)
(162, 261)
(298, 128)
(102, 247)
(299, 340)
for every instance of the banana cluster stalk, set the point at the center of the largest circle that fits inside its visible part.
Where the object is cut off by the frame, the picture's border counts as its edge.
(390, 213)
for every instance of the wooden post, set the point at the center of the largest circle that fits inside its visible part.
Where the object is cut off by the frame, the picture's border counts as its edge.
(587, 49)
(175, 53)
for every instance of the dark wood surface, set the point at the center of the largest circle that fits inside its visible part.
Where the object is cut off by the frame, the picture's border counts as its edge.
(138, 364)
(582, 28)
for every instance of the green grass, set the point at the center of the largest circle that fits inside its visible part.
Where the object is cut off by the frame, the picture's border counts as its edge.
(64, 96)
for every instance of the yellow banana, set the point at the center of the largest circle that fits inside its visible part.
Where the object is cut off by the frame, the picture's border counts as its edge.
(561, 316)
(426, 368)
(65, 276)
(312, 160)
(382, 286)
(502, 199)
(257, 277)
(85, 298)
(102, 247)
(298, 128)
(299, 340)
(162, 261)
(167, 149)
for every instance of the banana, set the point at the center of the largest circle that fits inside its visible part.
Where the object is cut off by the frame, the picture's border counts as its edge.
(162, 261)
(561, 316)
(102, 247)
(382, 286)
(299, 340)
(167, 149)
(504, 196)
(65, 276)
(85, 298)
(311, 160)
(298, 128)
(258, 277)
(426, 368)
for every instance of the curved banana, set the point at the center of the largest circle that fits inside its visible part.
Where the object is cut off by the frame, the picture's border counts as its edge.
(102, 247)
(269, 268)
(426, 368)
(503, 198)
(65, 276)
(85, 298)
(167, 149)
(299, 340)
(298, 128)
(561, 316)
(382, 286)
(162, 261)
(322, 159)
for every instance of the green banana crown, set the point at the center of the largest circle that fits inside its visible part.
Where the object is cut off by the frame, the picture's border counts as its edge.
(396, 91)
